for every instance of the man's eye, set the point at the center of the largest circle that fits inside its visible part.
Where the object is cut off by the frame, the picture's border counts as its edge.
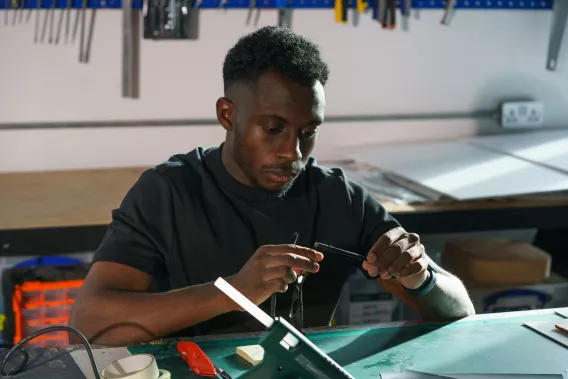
(309, 134)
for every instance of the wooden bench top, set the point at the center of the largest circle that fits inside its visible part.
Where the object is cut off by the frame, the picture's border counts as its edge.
(86, 197)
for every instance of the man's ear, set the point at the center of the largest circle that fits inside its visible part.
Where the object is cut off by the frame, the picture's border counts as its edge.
(225, 110)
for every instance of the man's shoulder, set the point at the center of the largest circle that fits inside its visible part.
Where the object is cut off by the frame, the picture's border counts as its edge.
(186, 162)
(331, 176)
(180, 170)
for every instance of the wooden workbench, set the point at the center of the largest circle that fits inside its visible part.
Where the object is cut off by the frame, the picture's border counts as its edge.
(58, 212)
(86, 197)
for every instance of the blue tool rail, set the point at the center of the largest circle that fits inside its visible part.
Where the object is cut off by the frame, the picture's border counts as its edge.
(305, 4)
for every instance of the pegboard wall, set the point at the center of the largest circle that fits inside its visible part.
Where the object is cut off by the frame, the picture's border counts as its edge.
(14, 5)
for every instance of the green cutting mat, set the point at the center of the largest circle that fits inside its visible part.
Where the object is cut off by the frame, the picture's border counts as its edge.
(494, 346)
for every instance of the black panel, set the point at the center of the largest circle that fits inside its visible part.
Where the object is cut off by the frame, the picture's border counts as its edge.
(476, 220)
(50, 241)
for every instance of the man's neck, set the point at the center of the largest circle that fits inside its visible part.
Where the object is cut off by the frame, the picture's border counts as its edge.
(231, 165)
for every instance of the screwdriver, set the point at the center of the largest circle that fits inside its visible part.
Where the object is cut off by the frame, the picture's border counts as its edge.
(344, 8)
(448, 12)
(6, 7)
(338, 9)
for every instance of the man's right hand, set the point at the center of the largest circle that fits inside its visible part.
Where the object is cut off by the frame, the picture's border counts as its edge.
(271, 268)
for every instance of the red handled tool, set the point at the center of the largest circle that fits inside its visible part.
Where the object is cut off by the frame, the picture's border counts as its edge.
(198, 360)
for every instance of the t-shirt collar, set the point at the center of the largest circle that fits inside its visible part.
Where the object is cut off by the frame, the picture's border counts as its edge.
(229, 183)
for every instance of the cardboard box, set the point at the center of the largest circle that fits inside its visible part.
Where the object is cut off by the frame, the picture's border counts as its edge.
(495, 262)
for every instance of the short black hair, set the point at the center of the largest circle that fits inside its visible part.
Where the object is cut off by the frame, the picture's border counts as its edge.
(274, 49)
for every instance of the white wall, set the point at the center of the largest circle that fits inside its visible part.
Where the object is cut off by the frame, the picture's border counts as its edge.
(482, 59)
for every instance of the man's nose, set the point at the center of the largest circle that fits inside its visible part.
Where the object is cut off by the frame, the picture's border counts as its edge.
(290, 149)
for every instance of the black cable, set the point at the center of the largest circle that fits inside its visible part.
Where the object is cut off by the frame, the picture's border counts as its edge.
(39, 333)
(24, 361)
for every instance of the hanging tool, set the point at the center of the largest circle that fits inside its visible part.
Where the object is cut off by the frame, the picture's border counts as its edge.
(36, 30)
(558, 26)
(253, 6)
(171, 19)
(89, 43)
(374, 4)
(51, 12)
(285, 17)
(59, 26)
(44, 28)
(67, 20)
(284, 14)
(22, 6)
(382, 11)
(449, 12)
(361, 6)
(76, 25)
(389, 14)
(83, 12)
(337, 9)
(340, 9)
(15, 4)
(130, 50)
(6, 8)
(392, 11)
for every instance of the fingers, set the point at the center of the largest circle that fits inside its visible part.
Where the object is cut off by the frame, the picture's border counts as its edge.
(281, 272)
(386, 258)
(293, 249)
(276, 285)
(399, 266)
(414, 268)
(386, 240)
(293, 261)
(371, 269)
(394, 254)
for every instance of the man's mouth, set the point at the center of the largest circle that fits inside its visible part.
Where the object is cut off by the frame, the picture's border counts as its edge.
(281, 176)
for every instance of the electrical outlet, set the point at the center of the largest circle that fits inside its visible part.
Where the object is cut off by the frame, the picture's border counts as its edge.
(522, 114)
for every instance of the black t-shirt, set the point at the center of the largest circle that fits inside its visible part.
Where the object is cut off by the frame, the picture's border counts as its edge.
(188, 221)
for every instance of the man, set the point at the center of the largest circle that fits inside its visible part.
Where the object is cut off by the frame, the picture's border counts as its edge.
(231, 212)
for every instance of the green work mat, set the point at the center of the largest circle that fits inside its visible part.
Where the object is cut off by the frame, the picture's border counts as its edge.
(491, 346)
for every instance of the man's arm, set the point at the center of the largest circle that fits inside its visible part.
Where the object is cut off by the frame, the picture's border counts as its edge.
(114, 308)
(448, 299)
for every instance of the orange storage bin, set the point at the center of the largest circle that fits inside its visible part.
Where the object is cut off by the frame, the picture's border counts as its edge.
(37, 305)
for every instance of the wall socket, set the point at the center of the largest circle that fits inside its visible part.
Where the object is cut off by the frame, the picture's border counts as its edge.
(522, 114)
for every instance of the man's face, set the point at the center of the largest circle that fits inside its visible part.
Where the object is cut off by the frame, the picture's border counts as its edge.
(274, 130)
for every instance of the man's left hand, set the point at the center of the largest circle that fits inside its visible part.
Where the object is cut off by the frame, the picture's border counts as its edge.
(399, 254)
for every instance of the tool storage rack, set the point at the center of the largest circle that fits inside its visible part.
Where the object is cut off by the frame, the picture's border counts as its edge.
(299, 4)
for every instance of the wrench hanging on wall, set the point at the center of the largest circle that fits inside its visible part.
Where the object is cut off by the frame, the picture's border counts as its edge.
(559, 19)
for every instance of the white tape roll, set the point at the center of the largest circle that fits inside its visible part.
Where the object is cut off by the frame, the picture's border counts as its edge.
(140, 366)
